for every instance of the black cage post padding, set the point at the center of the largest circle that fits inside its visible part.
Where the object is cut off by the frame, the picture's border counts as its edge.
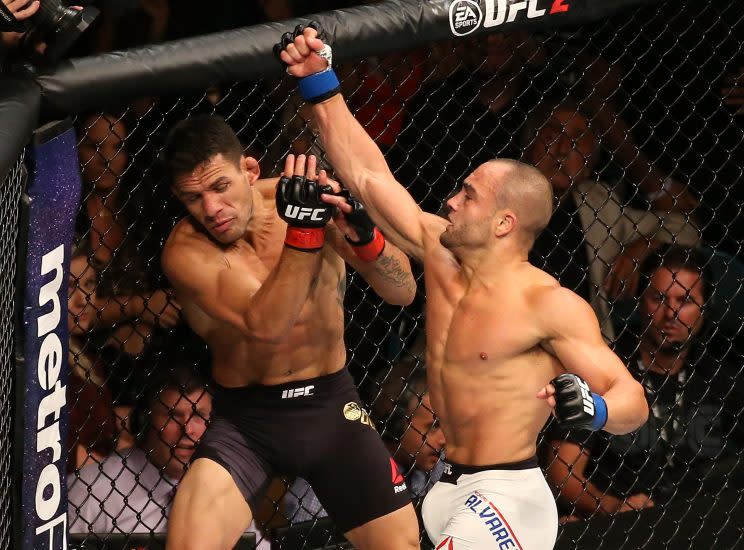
(20, 99)
(243, 54)
(19, 111)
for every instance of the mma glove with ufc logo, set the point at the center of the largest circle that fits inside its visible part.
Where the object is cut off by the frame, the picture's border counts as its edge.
(575, 404)
(371, 242)
(299, 204)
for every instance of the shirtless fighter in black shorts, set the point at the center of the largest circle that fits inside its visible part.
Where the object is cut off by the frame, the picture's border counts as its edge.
(259, 270)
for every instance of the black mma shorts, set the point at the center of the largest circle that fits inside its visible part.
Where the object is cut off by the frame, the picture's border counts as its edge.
(315, 429)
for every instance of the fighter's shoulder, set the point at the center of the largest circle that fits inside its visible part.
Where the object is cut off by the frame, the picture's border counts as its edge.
(186, 244)
(267, 188)
(183, 234)
(555, 306)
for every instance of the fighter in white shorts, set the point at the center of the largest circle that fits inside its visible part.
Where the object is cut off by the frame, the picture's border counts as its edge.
(502, 336)
(506, 506)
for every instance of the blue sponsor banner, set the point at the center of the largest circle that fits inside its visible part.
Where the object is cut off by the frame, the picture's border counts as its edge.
(54, 195)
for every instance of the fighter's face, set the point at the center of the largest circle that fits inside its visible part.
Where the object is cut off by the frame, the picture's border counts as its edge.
(81, 297)
(218, 194)
(563, 149)
(672, 303)
(424, 439)
(177, 422)
(470, 212)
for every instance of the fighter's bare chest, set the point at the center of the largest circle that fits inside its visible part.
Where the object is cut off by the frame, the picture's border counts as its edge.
(482, 325)
(262, 261)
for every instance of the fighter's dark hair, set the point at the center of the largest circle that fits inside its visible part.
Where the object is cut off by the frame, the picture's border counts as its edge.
(194, 141)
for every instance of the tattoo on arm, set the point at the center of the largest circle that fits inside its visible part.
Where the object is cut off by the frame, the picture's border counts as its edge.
(341, 290)
(390, 269)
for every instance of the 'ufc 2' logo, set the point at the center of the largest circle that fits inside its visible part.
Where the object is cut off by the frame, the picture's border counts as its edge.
(297, 213)
(586, 396)
(298, 392)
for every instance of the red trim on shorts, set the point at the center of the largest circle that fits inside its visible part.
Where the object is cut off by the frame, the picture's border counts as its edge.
(451, 544)
(511, 531)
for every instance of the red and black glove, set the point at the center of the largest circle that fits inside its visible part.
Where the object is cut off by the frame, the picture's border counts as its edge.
(371, 241)
(298, 203)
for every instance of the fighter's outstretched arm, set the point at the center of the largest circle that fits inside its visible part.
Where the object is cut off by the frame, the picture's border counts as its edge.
(358, 161)
(572, 334)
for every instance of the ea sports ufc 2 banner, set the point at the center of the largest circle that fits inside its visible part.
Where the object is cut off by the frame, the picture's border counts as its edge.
(194, 64)
(52, 200)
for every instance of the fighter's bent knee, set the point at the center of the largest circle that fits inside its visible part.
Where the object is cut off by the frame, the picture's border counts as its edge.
(397, 530)
(209, 512)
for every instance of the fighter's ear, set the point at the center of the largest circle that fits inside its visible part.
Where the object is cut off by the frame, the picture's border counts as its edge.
(250, 166)
(506, 222)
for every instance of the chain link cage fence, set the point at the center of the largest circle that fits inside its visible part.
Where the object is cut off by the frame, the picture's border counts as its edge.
(10, 193)
(637, 121)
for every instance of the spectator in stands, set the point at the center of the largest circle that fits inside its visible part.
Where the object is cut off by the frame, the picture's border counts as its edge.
(129, 303)
(593, 241)
(413, 435)
(691, 438)
(92, 419)
(469, 117)
(103, 160)
(131, 490)
(105, 377)
(477, 111)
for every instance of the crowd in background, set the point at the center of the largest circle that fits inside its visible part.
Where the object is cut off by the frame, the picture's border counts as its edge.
(648, 225)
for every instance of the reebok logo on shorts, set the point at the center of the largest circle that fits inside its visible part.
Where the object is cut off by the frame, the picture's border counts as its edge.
(397, 478)
(493, 520)
(447, 544)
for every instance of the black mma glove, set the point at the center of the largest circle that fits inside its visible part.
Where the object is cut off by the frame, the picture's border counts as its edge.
(299, 204)
(371, 241)
(575, 404)
(319, 86)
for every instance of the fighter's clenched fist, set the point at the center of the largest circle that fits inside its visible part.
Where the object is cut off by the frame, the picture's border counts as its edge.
(308, 58)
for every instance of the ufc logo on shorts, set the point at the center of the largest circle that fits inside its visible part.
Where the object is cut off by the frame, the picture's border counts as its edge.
(586, 397)
(298, 392)
(297, 213)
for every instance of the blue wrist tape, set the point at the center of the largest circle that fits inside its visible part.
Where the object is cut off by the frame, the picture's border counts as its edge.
(319, 86)
(600, 412)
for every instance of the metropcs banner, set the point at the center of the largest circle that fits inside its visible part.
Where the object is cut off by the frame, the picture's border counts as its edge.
(53, 196)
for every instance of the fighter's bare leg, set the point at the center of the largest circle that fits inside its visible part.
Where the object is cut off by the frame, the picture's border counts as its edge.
(397, 530)
(209, 512)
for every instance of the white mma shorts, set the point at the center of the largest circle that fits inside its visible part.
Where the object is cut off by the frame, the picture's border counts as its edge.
(491, 507)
